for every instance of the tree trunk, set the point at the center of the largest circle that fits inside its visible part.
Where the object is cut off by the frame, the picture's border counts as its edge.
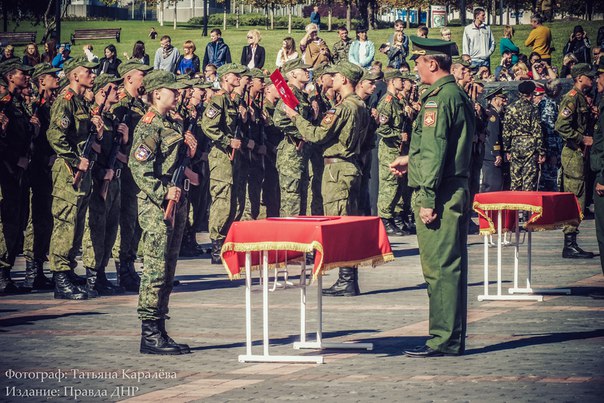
(329, 13)
(224, 16)
(408, 18)
(174, 22)
(289, 19)
(161, 13)
(273, 17)
(236, 7)
(348, 12)
(370, 16)
(204, 31)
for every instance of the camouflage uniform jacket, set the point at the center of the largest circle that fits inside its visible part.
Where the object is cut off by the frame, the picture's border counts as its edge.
(219, 121)
(522, 135)
(391, 120)
(283, 122)
(340, 50)
(573, 118)
(15, 141)
(128, 110)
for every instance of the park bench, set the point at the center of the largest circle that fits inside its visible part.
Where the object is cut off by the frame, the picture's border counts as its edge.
(105, 33)
(13, 38)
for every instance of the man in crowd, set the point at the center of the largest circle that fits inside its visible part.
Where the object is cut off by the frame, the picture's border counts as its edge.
(342, 46)
(540, 39)
(166, 56)
(493, 164)
(478, 42)
(217, 52)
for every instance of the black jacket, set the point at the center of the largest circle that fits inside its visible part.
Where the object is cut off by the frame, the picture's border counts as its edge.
(246, 56)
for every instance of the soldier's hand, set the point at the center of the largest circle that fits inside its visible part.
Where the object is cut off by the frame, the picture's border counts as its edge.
(508, 156)
(122, 129)
(541, 159)
(173, 194)
(315, 108)
(83, 165)
(374, 113)
(261, 149)
(289, 111)
(588, 141)
(243, 113)
(599, 189)
(97, 121)
(405, 137)
(250, 144)
(235, 144)
(3, 121)
(36, 123)
(498, 161)
(191, 142)
(22, 162)
(399, 166)
(427, 215)
(109, 174)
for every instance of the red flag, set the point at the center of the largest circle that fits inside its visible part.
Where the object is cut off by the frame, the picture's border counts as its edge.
(286, 93)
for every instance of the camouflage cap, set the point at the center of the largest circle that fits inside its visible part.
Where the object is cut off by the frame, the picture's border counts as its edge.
(426, 46)
(73, 63)
(200, 83)
(3, 82)
(247, 72)
(462, 61)
(582, 69)
(257, 73)
(268, 81)
(409, 76)
(103, 79)
(369, 75)
(390, 74)
(349, 70)
(157, 79)
(294, 64)
(43, 68)
(63, 82)
(132, 64)
(230, 68)
(526, 87)
(320, 70)
(14, 64)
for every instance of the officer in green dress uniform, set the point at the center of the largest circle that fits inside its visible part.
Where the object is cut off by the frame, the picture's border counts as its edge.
(597, 165)
(439, 168)
(572, 125)
(157, 145)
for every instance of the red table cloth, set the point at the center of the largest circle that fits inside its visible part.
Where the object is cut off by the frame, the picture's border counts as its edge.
(549, 210)
(338, 241)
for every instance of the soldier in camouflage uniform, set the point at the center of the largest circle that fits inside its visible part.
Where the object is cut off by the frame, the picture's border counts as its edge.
(572, 125)
(155, 154)
(219, 123)
(39, 226)
(341, 132)
(70, 127)
(242, 158)
(271, 197)
(292, 155)
(523, 139)
(103, 213)
(548, 110)
(129, 109)
(15, 153)
(340, 49)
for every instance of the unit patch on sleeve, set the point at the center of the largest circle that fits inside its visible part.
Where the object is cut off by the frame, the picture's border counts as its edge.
(212, 112)
(430, 104)
(143, 152)
(430, 119)
(566, 112)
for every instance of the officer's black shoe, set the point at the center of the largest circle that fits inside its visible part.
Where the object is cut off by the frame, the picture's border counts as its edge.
(189, 247)
(127, 276)
(390, 228)
(184, 348)
(473, 228)
(400, 224)
(153, 342)
(411, 223)
(216, 247)
(572, 250)
(8, 286)
(346, 285)
(106, 287)
(65, 289)
(91, 285)
(75, 279)
(423, 352)
(34, 276)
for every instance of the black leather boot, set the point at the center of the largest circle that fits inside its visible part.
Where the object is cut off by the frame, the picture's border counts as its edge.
(104, 286)
(411, 223)
(216, 247)
(390, 227)
(184, 348)
(65, 289)
(8, 286)
(401, 224)
(34, 276)
(91, 285)
(572, 250)
(127, 276)
(75, 279)
(345, 286)
(153, 342)
(188, 247)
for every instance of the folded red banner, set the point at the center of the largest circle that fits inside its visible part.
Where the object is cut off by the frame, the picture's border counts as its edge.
(286, 93)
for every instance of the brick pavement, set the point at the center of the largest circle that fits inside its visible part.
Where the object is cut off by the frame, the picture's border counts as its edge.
(517, 350)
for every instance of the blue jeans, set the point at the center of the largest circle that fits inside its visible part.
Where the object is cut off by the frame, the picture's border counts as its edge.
(477, 63)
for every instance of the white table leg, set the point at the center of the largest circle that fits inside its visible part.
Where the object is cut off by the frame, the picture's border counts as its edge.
(499, 234)
(248, 303)
(485, 269)
(303, 302)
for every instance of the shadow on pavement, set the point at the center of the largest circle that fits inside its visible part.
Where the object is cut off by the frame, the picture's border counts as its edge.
(31, 319)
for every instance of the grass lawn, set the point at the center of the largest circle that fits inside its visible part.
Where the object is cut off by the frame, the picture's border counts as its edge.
(271, 40)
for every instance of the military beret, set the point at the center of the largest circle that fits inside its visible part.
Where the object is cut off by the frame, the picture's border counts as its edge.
(157, 79)
(43, 68)
(582, 69)
(426, 46)
(75, 62)
(132, 64)
(349, 70)
(294, 64)
(390, 74)
(103, 79)
(230, 68)
(526, 87)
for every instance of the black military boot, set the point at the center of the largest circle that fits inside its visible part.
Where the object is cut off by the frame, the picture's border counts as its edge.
(106, 287)
(126, 278)
(411, 223)
(189, 247)
(91, 285)
(153, 342)
(34, 276)
(345, 286)
(572, 250)
(184, 348)
(401, 224)
(216, 247)
(8, 286)
(65, 289)
(75, 279)
(30, 274)
(390, 227)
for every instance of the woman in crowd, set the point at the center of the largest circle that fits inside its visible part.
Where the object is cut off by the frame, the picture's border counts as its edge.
(188, 62)
(31, 56)
(542, 71)
(568, 62)
(253, 54)
(396, 52)
(520, 71)
(579, 45)
(506, 44)
(139, 54)
(445, 33)
(287, 52)
(8, 52)
(62, 55)
(50, 51)
(109, 63)
(362, 50)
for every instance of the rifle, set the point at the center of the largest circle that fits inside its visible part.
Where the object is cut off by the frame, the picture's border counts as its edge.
(262, 133)
(179, 177)
(237, 126)
(87, 150)
(249, 124)
(30, 149)
(115, 149)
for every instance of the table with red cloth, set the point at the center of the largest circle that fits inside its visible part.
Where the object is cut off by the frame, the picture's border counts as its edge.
(274, 242)
(498, 213)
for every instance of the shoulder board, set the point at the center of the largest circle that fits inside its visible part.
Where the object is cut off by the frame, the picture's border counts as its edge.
(42, 101)
(435, 91)
(7, 98)
(68, 95)
(388, 98)
(122, 95)
(95, 110)
(148, 118)
(572, 93)
(220, 92)
(233, 96)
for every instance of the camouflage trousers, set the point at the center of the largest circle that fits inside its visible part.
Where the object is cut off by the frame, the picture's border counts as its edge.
(39, 222)
(223, 193)
(293, 178)
(102, 222)
(161, 245)
(573, 179)
(391, 186)
(126, 243)
(524, 171)
(69, 208)
(341, 188)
